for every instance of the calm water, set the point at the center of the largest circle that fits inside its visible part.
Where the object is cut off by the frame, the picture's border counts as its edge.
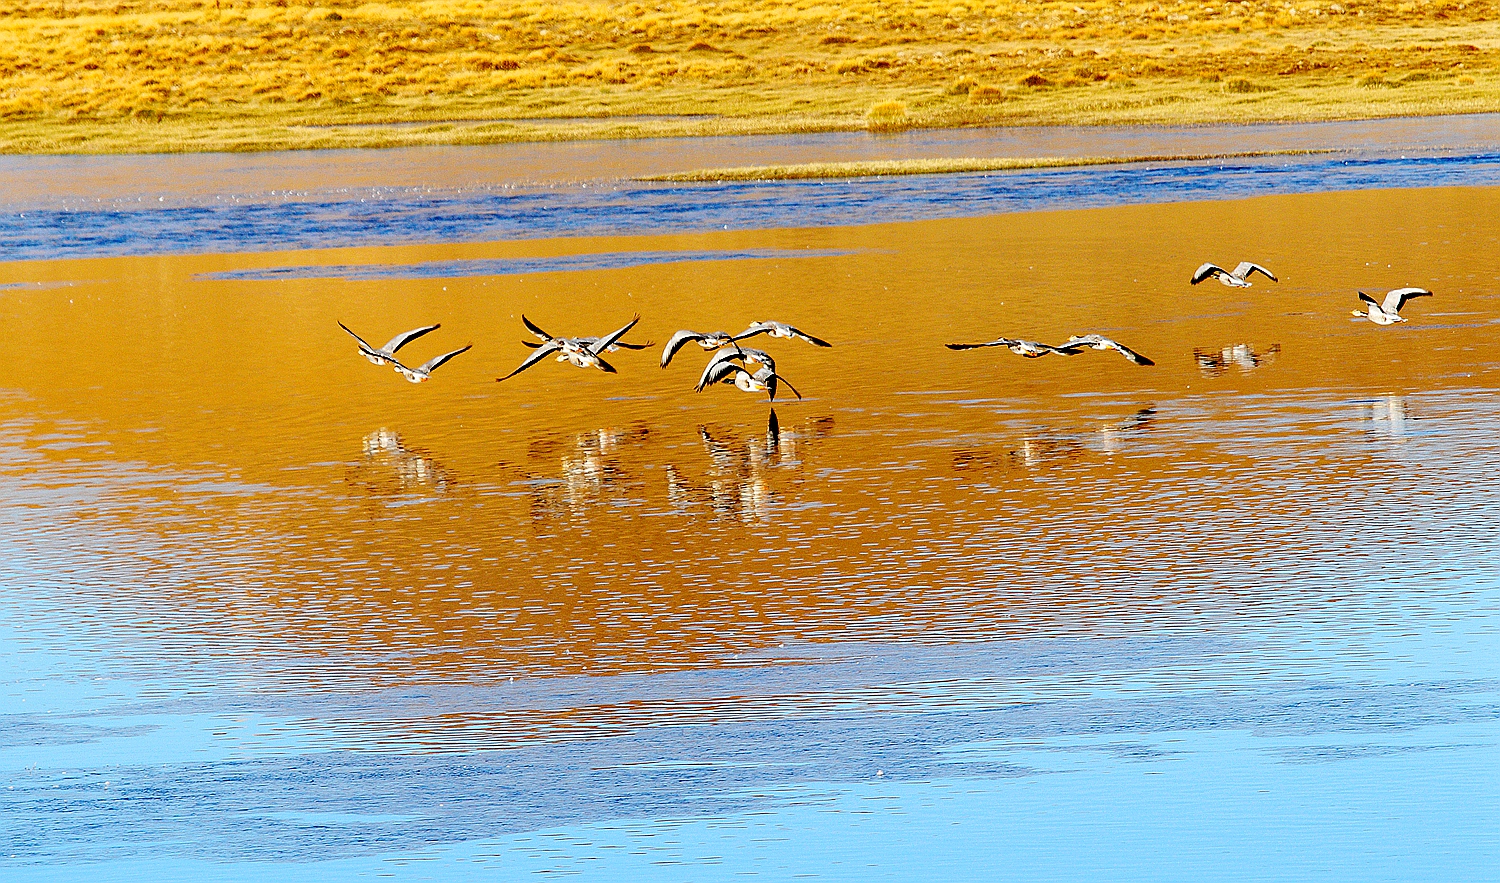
(272, 613)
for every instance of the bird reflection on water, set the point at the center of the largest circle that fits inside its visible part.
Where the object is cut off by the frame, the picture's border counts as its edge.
(1240, 355)
(1389, 417)
(737, 484)
(1050, 449)
(392, 468)
(589, 470)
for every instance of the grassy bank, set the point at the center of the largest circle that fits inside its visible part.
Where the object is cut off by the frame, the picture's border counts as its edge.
(150, 75)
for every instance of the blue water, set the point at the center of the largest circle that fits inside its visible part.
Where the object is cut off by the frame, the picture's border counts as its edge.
(414, 215)
(515, 266)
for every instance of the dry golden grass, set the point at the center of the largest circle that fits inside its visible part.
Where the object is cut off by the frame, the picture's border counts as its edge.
(110, 75)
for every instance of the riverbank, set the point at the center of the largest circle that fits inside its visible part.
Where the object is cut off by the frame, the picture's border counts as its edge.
(190, 75)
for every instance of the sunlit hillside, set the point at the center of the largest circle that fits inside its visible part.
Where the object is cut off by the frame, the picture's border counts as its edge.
(214, 74)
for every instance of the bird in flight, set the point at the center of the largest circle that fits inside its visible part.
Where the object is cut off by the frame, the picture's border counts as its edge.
(725, 370)
(1100, 342)
(386, 355)
(779, 329)
(580, 341)
(424, 371)
(1388, 311)
(745, 355)
(1028, 348)
(713, 340)
(583, 355)
(1240, 278)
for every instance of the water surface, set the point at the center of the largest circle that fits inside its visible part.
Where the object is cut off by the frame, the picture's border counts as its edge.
(271, 612)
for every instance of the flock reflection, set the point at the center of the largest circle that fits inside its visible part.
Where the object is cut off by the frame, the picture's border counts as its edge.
(1240, 355)
(728, 474)
(737, 483)
(590, 471)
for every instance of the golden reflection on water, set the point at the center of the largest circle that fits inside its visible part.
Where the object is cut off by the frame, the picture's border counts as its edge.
(241, 478)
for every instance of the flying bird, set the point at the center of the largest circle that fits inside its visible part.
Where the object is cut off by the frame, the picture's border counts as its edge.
(424, 372)
(1388, 311)
(779, 329)
(745, 355)
(1100, 342)
(574, 351)
(1240, 278)
(762, 380)
(386, 355)
(577, 342)
(1028, 348)
(711, 341)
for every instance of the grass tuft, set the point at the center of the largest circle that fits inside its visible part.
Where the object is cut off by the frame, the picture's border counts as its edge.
(887, 116)
(1242, 86)
(986, 95)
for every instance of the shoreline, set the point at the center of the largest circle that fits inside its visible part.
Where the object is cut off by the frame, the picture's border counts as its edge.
(252, 136)
(957, 165)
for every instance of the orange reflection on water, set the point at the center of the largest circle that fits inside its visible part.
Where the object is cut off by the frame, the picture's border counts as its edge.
(221, 466)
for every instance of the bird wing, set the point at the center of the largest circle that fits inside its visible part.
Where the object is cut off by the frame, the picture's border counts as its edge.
(815, 341)
(531, 326)
(1370, 300)
(1004, 341)
(604, 366)
(1128, 353)
(1395, 300)
(1077, 343)
(362, 344)
(530, 345)
(719, 358)
(407, 337)
(1246, 268)
(635, 346)
(676, 343)
(718, 373)
(432, 364)
(1207, 271)
(771, 386)
(541, 353)
(608, 340)
(754, 329)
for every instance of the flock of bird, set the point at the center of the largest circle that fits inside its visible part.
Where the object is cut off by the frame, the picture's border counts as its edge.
(754, 370)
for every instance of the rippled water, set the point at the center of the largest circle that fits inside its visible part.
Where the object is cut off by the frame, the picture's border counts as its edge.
(273, 613)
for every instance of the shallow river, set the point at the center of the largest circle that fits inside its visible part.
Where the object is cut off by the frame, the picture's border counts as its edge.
(270, 612)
